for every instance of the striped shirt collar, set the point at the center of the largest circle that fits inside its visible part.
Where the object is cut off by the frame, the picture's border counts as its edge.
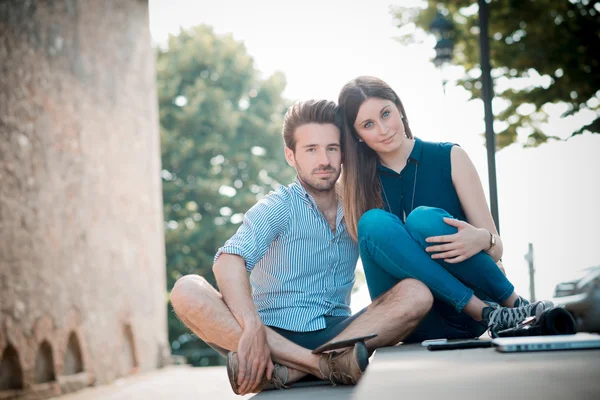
(299, 189)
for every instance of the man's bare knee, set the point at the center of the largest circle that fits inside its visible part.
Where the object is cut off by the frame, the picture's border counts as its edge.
(415, 293)
(190, 290)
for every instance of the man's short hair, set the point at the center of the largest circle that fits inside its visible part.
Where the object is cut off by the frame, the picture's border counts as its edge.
(308, 112)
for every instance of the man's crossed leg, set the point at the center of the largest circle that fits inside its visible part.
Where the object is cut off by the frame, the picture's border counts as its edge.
(392, 316)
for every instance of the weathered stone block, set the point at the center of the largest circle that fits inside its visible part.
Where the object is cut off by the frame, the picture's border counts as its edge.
(82, 264)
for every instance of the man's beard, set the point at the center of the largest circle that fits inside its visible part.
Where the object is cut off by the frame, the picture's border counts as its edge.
(320, 184)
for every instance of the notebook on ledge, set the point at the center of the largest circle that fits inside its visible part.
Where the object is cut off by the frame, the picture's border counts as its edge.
(577, 341)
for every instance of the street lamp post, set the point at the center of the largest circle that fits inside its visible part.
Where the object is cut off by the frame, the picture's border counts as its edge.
(444, 47)
(487, 96)
(443, 28)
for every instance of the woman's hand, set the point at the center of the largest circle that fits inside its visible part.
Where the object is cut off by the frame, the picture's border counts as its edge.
(460, 246)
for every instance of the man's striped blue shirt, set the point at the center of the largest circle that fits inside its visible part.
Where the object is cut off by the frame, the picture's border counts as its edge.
(300, 271)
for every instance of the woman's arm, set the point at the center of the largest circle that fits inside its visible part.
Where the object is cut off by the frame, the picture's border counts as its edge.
(472, 199)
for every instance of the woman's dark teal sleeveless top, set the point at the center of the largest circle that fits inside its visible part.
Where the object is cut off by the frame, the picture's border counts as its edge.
(426, 180)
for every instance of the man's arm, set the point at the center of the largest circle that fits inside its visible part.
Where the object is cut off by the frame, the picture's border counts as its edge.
(254, 355)
(232, 278)
(262, 224)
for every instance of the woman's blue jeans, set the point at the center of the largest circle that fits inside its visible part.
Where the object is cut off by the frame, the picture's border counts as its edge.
(392, 251)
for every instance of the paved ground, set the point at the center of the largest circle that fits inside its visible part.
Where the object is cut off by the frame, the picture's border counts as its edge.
(172, 383)
(403, 372)
(312, 393)
(413, 372)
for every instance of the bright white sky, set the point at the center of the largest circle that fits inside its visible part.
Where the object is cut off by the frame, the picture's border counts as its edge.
(548, 196)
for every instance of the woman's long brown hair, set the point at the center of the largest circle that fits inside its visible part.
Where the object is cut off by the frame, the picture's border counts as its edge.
(361, 190)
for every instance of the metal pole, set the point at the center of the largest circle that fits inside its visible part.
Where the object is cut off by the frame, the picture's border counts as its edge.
(487, 96)
(529, 257)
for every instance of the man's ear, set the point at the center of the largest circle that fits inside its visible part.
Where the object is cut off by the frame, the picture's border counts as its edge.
(289, 157)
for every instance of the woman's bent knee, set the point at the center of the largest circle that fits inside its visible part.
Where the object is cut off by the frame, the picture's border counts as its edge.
(374, 221)
(427, 221)
(371, 218)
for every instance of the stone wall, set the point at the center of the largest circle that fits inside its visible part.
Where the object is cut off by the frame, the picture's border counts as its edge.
(82, 263)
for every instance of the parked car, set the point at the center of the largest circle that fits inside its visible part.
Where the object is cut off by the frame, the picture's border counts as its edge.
(581, 296)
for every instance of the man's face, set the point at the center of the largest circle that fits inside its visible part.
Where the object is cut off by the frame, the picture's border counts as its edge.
(318, 156)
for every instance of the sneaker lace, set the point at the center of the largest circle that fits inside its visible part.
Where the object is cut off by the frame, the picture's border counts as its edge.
(529, 309)
(503, 317)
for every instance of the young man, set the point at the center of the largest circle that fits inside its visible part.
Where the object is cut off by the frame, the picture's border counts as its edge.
(301, 261)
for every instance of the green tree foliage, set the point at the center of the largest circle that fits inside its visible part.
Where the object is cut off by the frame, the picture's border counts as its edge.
(557, 40)
(221, 147)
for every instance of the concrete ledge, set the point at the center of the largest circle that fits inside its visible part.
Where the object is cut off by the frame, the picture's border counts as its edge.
(412, 372)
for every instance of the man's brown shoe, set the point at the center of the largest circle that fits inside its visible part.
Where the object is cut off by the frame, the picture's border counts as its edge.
(278, 379)
(344, 367)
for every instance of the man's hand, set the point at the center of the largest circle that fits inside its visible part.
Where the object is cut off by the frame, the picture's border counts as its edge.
(254, 358)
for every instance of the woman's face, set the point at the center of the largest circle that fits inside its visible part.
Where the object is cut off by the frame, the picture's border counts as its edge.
(379, 124)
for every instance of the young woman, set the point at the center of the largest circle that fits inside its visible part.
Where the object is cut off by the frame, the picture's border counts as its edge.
(417, 210)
